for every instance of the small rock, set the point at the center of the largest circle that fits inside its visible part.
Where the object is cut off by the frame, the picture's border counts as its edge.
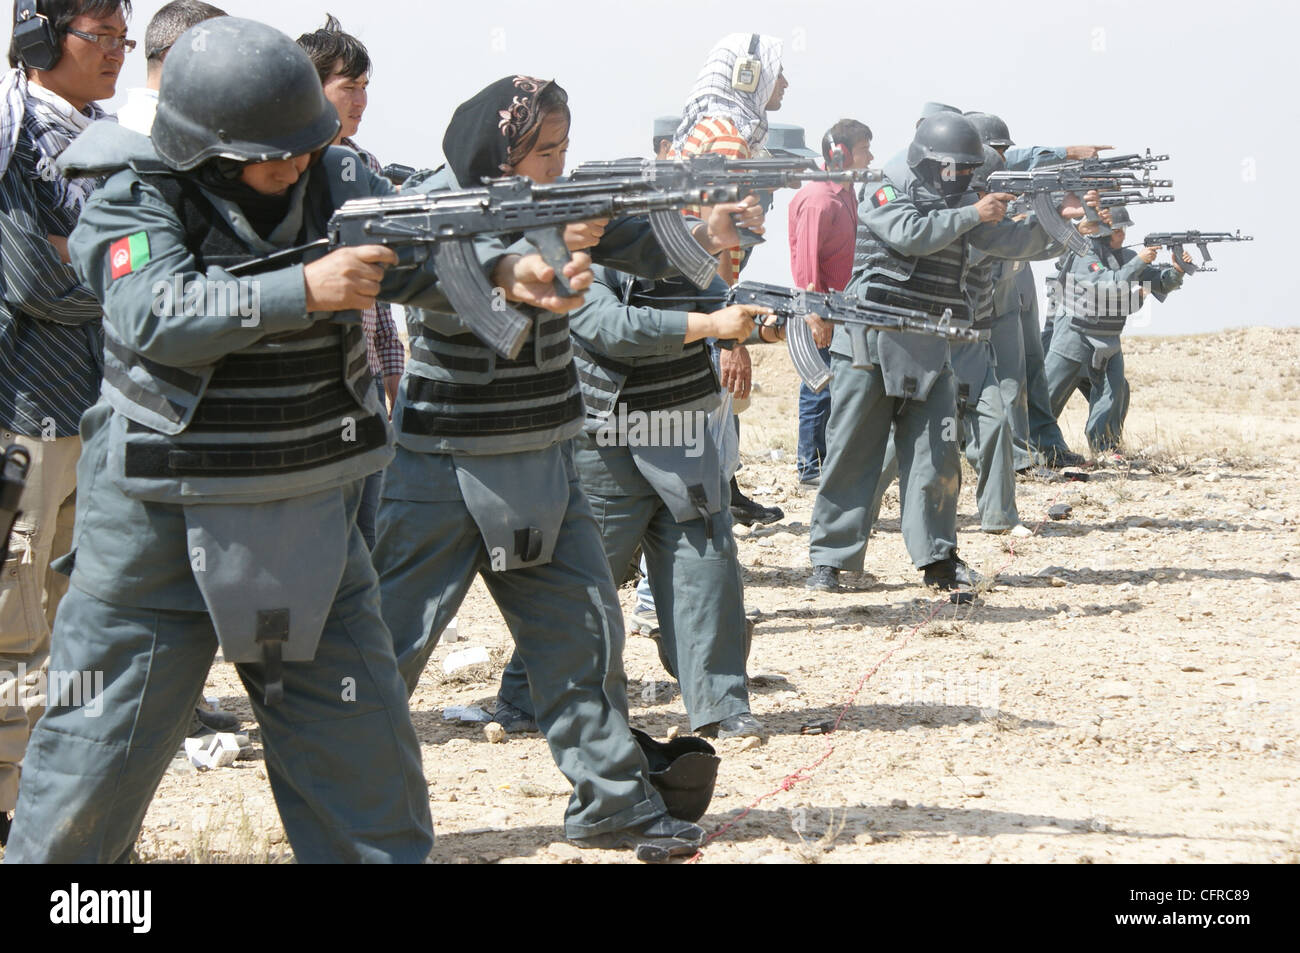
(898, 802)
(777, 456)
(1116, 690)
(749, 744)
(1271, 516)
(1060, 511)
(494, 733)
(1140, 521)
(674, 731)
(1057, 582)
(1191, 668)
(1212, 478)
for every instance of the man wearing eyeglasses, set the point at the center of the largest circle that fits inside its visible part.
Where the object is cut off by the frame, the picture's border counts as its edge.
(65, 55)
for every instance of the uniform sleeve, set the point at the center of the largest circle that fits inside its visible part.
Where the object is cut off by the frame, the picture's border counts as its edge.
(1025, 158)
(33, 278)
(129, 250)
(1015, 240)
(899, 224)
(1091, 271)
(607, 326)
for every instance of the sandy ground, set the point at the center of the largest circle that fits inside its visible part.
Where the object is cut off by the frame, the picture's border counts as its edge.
(1127, 691)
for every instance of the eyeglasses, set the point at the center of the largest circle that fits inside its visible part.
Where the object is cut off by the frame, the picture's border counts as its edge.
(107, 42)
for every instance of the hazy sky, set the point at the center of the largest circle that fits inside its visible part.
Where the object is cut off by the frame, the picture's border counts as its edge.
(1213, 84)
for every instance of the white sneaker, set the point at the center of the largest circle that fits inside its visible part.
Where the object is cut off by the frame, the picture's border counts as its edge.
(1021, 531)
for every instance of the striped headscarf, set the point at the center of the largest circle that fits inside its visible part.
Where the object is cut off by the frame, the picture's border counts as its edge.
(712, 94)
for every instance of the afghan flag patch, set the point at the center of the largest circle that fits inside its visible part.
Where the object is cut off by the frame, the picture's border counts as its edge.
(883, 195)
(127, 254)
(1095, 266)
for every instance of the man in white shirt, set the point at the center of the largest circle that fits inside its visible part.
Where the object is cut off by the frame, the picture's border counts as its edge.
(167, 24)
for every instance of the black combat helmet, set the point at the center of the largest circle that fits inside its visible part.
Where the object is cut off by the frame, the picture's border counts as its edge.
(993, 162)
(993, 131)
(943, 152)
(240, 90)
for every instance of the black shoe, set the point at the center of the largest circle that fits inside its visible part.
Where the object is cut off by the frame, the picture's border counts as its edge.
(216, 720)
(6, 822)
(812, 479)
(951, 574)
(746, 512)
(654, 841)
(513, 719)
(824, 579)
(1063, 458)
(743, 725)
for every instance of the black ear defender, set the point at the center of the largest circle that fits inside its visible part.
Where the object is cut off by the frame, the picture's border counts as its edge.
(34, 37)
(745, 75)
(836, 154)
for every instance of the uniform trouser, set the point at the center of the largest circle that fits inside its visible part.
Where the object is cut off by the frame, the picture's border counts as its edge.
(925, 439)
(1108, 396)
(1044, 433)
(567, 626)
(987, 427)
(341, 754)
(987, 430)
(698, 597)
(814, 411)
(1009, 361)
(30, 593)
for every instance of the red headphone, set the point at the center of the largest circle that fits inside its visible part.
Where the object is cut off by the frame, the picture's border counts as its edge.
(836, 154)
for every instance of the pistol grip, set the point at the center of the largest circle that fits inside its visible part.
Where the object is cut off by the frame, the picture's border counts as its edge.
(549, 242)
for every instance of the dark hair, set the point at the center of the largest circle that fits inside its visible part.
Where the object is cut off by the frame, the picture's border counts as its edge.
(654, 149)
(171, 21)
(330, 45)
(551, 100)
(847, 133)
(61, 13)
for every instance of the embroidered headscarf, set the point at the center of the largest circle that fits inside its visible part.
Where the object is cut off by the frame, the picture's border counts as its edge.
(498, 127)
(713, 95)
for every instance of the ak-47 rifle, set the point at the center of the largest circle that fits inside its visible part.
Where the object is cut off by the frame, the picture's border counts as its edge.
(1130, 193)
(790, 306)
(1202, 240)
(445, 224)
(1042, 185)
(711, 171)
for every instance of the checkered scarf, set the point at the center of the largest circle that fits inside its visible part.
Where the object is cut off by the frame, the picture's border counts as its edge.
(712, 94)
(53, 124)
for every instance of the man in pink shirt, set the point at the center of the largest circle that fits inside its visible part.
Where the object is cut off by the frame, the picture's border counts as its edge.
(823, 227)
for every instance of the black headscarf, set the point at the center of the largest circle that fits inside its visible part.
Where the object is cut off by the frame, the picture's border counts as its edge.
(497, 127)
(265, 212)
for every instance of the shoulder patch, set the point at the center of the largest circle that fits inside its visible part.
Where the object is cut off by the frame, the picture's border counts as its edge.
(127, 254)
(1095, 266)
(883, 195)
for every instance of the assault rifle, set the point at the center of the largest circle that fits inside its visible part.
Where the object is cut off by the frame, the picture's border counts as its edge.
(13, 477)
(1176, 240)
(445, 224)
(710, 171)
(1130, 193)
(1040, 187)
(790, 306)
(397, 173)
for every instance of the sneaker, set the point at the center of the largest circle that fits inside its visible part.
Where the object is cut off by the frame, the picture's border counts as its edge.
(654, 841)
(1019, 531)
(645, 622)
(743, 725)
(513, 719)
(951, 574)
(812, 479)
(824, 579)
